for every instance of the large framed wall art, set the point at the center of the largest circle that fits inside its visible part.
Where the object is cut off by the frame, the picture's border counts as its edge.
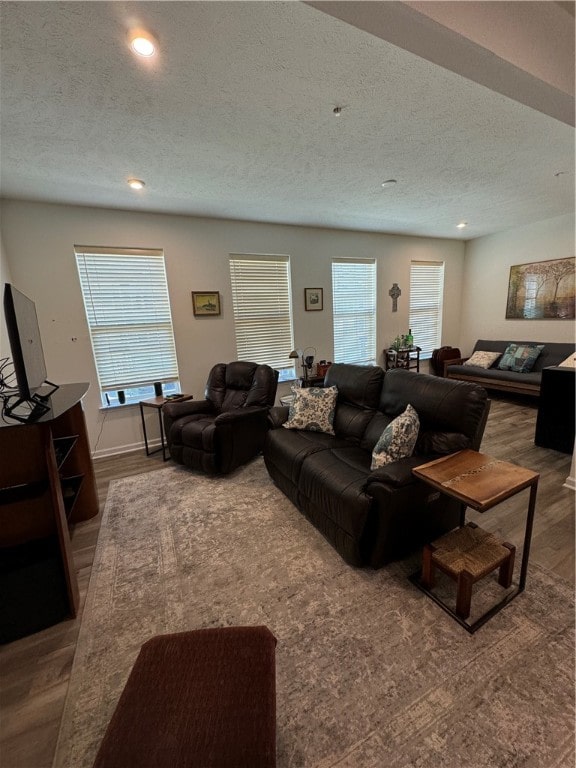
(542, 290)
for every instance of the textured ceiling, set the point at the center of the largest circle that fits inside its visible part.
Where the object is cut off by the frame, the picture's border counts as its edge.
(234, 117)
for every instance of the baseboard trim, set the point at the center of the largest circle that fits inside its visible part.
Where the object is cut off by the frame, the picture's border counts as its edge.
(118, 450)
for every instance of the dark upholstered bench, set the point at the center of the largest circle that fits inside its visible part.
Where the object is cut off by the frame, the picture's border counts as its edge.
(200, 699)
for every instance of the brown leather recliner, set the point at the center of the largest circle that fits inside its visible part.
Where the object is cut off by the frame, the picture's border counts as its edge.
(228, 428)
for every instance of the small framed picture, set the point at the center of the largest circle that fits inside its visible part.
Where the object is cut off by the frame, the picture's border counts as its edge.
(313, 299)
(206, 302)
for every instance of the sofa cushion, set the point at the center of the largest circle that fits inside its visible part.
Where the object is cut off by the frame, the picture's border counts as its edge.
(358, 395)
(286, 450)
(313, 409)
(442, 405)
(398, 439)
(195, 431)
(357, 385)
(520, 358)
(486, 376)
(351, 422)
(441, 443)
(482, 359)
(376, 426)
(334, 481)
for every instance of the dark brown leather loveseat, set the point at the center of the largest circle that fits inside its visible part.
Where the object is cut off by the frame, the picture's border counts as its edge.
(227, 429)
(374, 516)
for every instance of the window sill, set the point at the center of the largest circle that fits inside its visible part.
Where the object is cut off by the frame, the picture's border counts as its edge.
(116, 406)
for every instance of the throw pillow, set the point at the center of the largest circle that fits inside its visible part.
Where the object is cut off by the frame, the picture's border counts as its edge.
(520, 357)
(483, 359)
(313, 409)
(398, 439)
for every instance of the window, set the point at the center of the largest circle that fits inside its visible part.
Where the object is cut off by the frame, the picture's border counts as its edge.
(263, 310)
(354, 307)
(128, 311)
(426, 297)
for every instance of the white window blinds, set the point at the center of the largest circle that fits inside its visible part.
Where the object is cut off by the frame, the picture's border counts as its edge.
(426, 297)
(354, 307)
(128, 312)
(262, 309)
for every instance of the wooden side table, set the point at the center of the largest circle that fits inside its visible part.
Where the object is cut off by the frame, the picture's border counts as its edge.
(407, 357)
(480, 482)
(312, 381)
(157, 403)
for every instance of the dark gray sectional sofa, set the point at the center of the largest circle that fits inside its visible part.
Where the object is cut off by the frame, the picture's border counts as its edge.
(508, 381)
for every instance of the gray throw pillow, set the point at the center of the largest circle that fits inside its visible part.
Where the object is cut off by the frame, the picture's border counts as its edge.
(398, 439)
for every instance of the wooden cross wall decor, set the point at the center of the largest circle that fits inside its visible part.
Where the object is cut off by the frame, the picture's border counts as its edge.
(394, 292)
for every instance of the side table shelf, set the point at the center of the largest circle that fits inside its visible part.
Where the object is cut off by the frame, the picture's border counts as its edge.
(407, 357)
(467, 555)
(62, 448)
(47, 485)
(480, 482)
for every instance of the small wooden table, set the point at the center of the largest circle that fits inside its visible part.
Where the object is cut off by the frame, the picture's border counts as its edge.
(312, 381)
(406, 357)
(157, 403)
(480, 482)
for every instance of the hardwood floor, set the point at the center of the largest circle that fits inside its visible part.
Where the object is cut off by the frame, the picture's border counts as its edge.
(34, 671)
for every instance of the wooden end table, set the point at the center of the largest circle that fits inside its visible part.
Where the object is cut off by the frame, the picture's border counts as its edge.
(480, 482)
(157, 403)
(406, 357)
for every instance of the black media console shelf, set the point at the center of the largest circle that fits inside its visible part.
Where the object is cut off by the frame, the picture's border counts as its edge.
(46, 485)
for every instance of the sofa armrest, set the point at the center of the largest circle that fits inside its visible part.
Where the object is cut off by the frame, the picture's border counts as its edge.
(244, 414)
(278, 415)
(399, 473)
(186, 408)
(454, 361)
(239, 435)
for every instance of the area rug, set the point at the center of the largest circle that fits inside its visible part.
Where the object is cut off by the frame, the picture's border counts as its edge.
(370, 672)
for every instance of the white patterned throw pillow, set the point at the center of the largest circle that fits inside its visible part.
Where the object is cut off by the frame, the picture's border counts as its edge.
(483, 359)
(313, 409)
(398, 439)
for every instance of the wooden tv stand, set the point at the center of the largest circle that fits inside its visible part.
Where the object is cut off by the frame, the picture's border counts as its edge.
(46, 485)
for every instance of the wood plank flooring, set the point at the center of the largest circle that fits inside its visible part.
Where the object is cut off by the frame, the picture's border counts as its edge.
(35, 670)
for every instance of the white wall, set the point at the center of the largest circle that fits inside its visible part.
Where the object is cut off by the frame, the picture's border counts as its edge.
(485, 288)
(39, 241)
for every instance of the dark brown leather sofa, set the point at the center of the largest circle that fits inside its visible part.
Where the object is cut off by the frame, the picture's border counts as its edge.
(227, 429)
(373, 517)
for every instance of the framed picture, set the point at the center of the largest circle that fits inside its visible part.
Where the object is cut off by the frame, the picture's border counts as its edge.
(206, 302)
(542, 290)
(313, 299)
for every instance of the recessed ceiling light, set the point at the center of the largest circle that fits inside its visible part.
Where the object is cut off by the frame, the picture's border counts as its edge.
(462, 225)
(389, 183)
(142, 42)
(136, 183)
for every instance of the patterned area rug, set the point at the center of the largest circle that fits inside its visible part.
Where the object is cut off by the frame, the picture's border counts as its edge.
(370, 672)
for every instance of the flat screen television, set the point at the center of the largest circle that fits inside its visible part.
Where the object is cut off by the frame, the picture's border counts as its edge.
(27, 354)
